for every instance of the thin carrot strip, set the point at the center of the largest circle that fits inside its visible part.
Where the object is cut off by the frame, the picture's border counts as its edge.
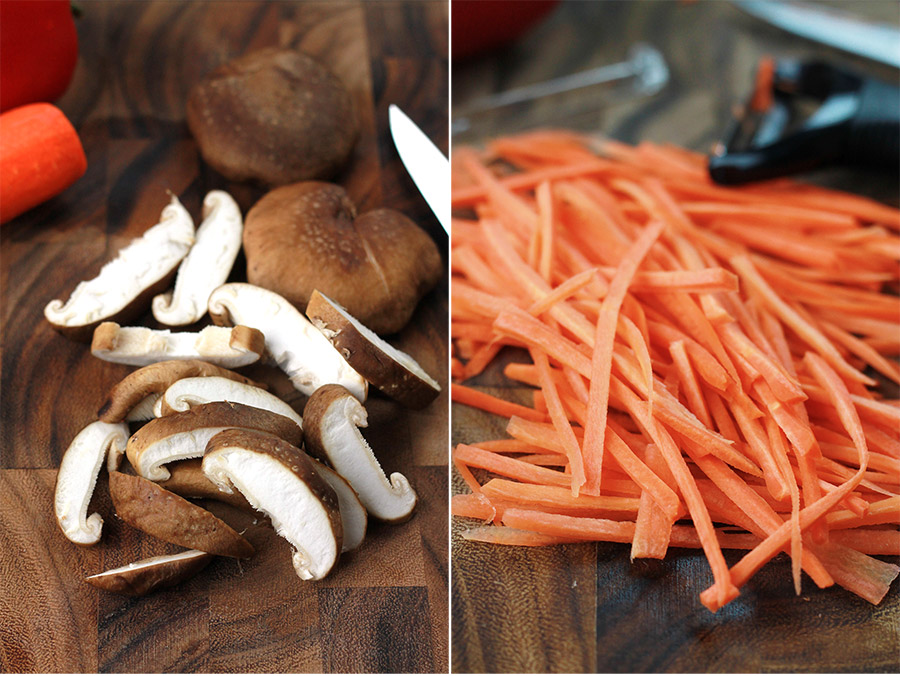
(653, 526)
(510, 467)
(601, 361)
(545, 226)
(559, 498)
(503, 535)
(472, 506)
(492, 404)
(560, 419)
(689, 381)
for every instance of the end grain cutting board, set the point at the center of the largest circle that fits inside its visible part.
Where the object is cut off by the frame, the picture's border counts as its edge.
(384, 609)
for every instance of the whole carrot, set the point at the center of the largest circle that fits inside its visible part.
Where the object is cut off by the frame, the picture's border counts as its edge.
(40, 156)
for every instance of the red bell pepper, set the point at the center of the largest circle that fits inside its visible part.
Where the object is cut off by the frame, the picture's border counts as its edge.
(38, 50)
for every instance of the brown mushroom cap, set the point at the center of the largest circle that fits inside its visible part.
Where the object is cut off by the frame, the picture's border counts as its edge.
(154, 379)
(185, 434)
(393, 372)
(144, 576)
(307, 236)
(275, 116)
(144, 505)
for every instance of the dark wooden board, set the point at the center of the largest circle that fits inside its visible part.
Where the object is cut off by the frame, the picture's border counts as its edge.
(586, 608)
(385, 608)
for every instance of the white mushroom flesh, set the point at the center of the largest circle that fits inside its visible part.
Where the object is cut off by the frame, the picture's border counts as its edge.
(78, 475)
(145, 409)
(139, 265)
(140, 346)
(207, 265)
(299, 349)
(353, 515)
(179, 446)
(353, 458)
(188, 392)
(296, 513)
(150, 563)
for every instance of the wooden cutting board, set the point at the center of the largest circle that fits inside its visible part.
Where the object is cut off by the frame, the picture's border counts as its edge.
(385, 607)
(586, 607)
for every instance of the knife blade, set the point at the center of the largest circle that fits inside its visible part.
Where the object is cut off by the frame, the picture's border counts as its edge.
(878, 42)
(426, 164)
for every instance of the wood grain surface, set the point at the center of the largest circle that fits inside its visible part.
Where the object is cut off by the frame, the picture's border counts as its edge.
(385, 607)
(585, 607)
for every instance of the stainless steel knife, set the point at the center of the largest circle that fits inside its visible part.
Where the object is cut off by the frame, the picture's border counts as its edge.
(426, 164)
(875, 41)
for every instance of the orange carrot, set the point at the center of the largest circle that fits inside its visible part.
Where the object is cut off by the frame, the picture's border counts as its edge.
(601, 361)
(491, 404)
(698, 353)
(40, 156)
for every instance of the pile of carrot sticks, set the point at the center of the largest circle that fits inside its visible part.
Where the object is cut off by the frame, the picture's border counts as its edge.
(712, 367)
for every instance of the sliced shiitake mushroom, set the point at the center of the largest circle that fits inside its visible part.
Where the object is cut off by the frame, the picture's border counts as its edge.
(144, 505)
(390, 370)
(278, 479)
(125, 286)
(140, 346)
(184, 435)
(142, 577)
(133, 397)
(186, 478)
(354, 518)
(301, 351)
(77, 477)
(207, 265)
(331, 420)
(188, 392)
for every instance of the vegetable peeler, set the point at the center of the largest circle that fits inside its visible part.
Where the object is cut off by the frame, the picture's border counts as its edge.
(805, 115)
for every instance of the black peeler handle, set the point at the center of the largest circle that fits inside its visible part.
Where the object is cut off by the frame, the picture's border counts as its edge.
(857, 122)
(874, 133)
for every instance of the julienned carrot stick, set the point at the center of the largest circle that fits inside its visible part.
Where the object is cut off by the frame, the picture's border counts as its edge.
(731, 361)
(516, 469)
(491, 404)
(560, 419)
(601, 361)
(503, 535)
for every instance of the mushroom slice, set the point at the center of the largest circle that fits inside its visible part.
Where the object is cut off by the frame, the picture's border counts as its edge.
(140, 346)
(140, 389)
(187, 392)
(144, 576)
(331, 420)
(184, 435)
(280, 481)
(125, 285)
(207, 265)
(393, 372)
(160, 513)
(354, 518)
(301, 351)
(188, 480)
(78, 475)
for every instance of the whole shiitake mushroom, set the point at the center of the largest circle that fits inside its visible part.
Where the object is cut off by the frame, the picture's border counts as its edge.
(273, 116)
(307, 236)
